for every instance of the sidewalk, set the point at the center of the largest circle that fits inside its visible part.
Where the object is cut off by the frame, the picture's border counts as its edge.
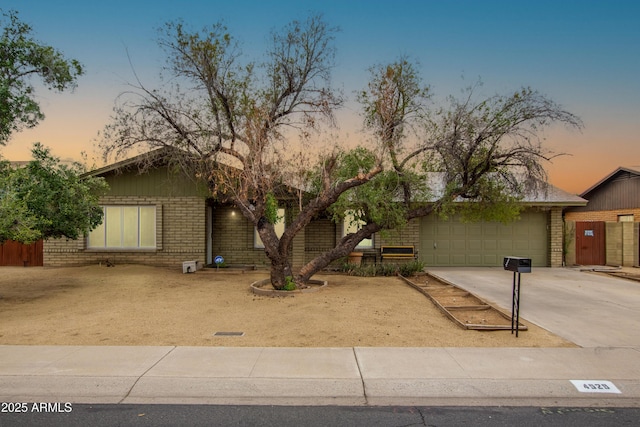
(599, 313)
(318, 376)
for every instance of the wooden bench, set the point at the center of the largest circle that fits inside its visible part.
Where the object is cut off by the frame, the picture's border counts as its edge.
(394, 252)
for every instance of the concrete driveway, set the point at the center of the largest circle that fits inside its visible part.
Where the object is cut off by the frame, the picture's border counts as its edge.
(589, 309)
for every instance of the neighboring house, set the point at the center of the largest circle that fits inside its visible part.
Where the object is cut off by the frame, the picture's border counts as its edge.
(159, 218)
(615, 198)
(605, 231)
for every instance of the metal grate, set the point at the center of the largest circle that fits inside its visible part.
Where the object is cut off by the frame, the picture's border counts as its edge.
(228, 334)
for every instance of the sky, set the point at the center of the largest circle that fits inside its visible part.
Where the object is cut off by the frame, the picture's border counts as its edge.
(585, 55)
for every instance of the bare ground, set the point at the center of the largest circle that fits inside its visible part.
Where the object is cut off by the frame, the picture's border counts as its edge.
(138, 305)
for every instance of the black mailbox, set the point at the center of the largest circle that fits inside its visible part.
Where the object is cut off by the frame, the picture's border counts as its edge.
(517, 264)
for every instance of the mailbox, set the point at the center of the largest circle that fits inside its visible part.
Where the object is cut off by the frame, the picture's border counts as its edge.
(517, 264)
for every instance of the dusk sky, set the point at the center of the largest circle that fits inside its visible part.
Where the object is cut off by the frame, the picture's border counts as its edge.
(584, 54)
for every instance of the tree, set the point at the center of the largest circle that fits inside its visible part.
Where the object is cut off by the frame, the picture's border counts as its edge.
(21, 57)
(47, 199)
(233, 124)
(475, 157)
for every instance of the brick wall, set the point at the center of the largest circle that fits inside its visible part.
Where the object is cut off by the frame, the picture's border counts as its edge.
(180, 236)
(233, 238)
(321, 235)
(407, 236)
(555, 237)
(621, 244)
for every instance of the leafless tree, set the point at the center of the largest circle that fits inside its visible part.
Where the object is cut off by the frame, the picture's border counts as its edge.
(237, 124)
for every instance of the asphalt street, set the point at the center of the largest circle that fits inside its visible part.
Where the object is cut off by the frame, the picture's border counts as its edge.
(322, 416)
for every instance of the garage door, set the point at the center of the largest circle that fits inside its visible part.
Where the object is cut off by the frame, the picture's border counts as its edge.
(454, 243)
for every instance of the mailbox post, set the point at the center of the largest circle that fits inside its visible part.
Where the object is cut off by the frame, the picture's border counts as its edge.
(517, 265)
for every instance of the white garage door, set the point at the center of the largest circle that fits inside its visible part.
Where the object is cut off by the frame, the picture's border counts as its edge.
(454, 243)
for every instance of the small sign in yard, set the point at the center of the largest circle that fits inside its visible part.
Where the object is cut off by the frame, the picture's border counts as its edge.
(218, 260)
(595, 386)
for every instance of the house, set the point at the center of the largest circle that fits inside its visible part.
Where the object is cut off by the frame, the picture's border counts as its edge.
(605, 231)
(160, 218)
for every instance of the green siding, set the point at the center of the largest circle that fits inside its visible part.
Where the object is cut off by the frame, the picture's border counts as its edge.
(454, 243)
(158, 182)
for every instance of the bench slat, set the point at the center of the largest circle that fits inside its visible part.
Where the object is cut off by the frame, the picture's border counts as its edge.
(397, 251)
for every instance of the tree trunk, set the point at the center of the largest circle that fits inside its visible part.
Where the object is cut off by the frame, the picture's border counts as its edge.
(342, 249)
(277, 251)
(280, 270)
(350, 241)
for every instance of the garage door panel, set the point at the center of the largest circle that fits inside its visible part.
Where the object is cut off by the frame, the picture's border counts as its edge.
(536, 245)
(474, 230)
(505, 245)
(522, 245)
(490, 245)
(443, 230)
(443, 259)
(459, 230)
(483, 243)
(491, 259)
(489, 230)
(458, 259)
(475, 245)
(505, 231)
(459, 245)
(443, 245)
(474, 259)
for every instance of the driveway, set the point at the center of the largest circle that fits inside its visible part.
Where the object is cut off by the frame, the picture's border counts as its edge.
(591, 310)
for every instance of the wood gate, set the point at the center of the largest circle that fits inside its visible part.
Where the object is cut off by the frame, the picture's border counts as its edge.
(590, 243)
(17, 254)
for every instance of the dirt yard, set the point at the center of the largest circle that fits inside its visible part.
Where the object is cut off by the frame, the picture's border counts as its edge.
(137, 305)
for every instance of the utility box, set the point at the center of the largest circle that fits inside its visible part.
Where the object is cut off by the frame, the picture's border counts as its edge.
(189, 266)
(517, 264)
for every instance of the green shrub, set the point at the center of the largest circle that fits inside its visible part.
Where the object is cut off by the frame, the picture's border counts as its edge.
(345, 267)
(411, 268)
(364, 271)
(289, 284)
(408, 269)
(386, 270)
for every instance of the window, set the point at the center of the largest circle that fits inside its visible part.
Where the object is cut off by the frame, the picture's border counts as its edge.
(279, 226)
(125, 227)
(350, 225)
(625, 218)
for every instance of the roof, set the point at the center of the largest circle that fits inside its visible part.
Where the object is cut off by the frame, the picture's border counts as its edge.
(552, 195)
(634, 170)
(132, 161)
(545, 195)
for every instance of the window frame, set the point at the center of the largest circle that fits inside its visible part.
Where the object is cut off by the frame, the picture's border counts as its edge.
(149, 229)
